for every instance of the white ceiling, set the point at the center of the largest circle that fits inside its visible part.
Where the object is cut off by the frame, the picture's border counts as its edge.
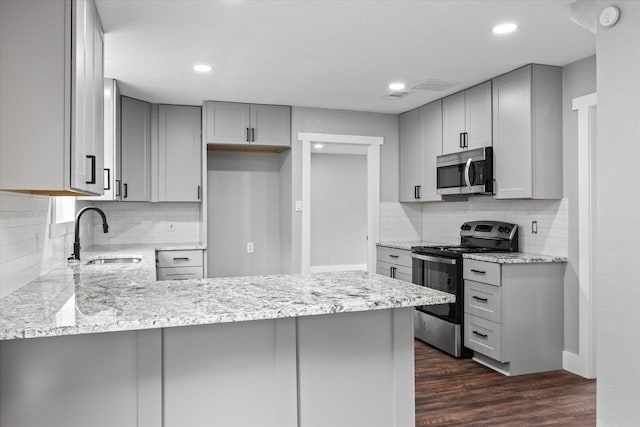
(322, 53)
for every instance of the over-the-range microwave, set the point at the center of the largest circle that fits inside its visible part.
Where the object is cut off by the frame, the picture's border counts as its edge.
(465, 172)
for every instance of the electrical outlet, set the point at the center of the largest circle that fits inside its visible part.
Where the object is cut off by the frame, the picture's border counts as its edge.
(172, 228)
(250, 248)
(534, 227)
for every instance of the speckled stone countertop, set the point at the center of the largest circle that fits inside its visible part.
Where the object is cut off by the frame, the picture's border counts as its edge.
(514, 258)
(82, 298)
(407, 245)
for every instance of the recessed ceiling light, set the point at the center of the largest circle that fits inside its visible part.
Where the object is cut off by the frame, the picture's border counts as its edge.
(203, 68)
(396, 86)
(317, 146)
(505, 28)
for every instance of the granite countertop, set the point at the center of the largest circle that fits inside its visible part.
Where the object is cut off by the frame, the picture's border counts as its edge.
(82, 298)
(514, 258)
(407, 245)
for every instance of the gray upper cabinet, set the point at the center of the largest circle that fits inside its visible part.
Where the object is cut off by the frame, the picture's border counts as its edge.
(230, 123)
(527, 124)
(63, 154)
(466, 119)
(420, 144)
(136, 150)
(410, 156)
(179, 153)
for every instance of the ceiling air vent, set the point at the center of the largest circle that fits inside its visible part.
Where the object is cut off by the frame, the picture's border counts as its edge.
(435, 85)
(395, 94)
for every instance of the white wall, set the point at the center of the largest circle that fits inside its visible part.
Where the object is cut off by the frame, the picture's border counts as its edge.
(338, 209)
(26, 251)
(243, 206)
(145, 223)
(618, 212)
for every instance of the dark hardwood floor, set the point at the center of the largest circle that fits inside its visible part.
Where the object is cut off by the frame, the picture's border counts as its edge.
(461, 392)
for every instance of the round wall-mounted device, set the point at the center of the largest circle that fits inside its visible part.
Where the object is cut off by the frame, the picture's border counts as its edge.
(609, 16)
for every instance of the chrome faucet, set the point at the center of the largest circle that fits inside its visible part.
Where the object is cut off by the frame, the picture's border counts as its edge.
(76, 242)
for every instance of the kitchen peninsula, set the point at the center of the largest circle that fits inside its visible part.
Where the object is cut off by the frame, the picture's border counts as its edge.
(110, 346)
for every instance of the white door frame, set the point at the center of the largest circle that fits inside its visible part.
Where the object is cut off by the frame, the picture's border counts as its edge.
(584, 363)
(373, 184)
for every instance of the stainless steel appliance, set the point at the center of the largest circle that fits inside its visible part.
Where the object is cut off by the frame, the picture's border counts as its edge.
(440, 267)
(465, 172)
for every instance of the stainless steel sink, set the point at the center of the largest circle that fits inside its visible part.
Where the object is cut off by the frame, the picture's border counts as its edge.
(123, 260)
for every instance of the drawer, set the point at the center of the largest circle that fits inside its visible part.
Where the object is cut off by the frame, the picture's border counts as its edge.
(481, 271)
(401, 272)
(180, 273)
(483, 336)
(483, 300)
(394, 256)
(185, 258)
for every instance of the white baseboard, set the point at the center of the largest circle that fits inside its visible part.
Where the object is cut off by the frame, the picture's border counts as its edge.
(340, 267)
(573, 363)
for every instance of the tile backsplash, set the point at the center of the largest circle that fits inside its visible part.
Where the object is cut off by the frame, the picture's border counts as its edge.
(440, 222)
(26, 250)
(147, 223)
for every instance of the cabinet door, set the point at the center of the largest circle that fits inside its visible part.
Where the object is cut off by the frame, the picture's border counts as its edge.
(431, 149)
(478, 116)
(453, 123)
(136, 150)
(271, 125)
(410, 155)
(512, 140)
(228, 123)
(179, 153)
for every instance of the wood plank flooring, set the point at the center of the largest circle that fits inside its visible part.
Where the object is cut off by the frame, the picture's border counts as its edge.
(461, 392)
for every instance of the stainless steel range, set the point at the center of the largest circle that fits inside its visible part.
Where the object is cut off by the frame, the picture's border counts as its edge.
(440, 267)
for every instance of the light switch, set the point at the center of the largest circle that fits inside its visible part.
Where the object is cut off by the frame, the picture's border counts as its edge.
(250, 248)
(298, 205)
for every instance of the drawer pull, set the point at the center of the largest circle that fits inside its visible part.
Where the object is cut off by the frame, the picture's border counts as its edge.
(184, 258)
(480, 335)
(478, 271)
(480, 299)
(393, 256)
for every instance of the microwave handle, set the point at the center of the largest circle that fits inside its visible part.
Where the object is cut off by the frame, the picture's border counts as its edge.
(467, 179)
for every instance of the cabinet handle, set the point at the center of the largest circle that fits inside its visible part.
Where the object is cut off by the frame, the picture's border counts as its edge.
(183, 258)
(248, 139)
(480, 335)
(126, 191)
(118, 187)
(416, 191)
(480, 299)
(478, 271)
(198, 192)
(460, 143)
(393, 256)
(419, 191)
(253, 134)
(465, 139)
(93, 169)
(392, 272)
(108, 179)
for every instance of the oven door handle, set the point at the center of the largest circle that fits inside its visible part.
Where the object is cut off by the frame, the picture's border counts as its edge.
(467, 178)
(435, 259)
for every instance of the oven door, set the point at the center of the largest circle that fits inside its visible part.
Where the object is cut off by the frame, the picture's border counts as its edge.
(443, 274)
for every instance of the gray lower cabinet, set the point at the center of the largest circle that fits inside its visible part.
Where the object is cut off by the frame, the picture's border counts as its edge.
(179, 153)
(527, 133)
(394, 263)
(136, 150)
(513, 315)
(180, 264)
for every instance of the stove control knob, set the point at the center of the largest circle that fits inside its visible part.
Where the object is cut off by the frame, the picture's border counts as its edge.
(501, 229)
(463, 227)
(507, 230)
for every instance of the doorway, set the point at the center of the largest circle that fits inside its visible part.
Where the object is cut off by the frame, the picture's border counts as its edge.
(344, 143)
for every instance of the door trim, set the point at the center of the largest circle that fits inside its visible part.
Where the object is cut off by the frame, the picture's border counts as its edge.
(373, 144)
